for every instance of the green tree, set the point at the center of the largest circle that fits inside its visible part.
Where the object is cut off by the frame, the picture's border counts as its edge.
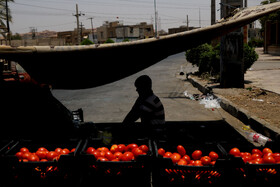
(250, 56)
(16, 37)
(109, 40)
(86, 42)
(272, 17)
(126, 40)
(207, 58)
(3, 17)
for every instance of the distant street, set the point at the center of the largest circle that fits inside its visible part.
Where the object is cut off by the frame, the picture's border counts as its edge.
(111, 102)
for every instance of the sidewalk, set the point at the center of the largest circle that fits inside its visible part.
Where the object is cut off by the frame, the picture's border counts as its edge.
(258, 105)
(265, 73)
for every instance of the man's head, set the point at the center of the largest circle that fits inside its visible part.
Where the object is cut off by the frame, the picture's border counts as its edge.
(143, 85)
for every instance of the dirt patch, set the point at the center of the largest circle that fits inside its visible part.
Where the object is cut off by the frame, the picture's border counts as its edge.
(258, 102)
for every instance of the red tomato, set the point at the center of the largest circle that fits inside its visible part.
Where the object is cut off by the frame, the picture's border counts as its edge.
(182, 162)
(121, 148)
(235, 152)
(266, 150)
(41, 154)
(187, 158)
(102, 159)
(114, 148)
(197, 163)
(181, 150)
(246, 158)
(33, 158)
(255, 156)
(73, 150)
(117, 155)
(58, 150)
(90, 150)
(191, 162)
(96, 154)
(24, 150)
(257, 161)
(26, 155)
(43, 160)
(213, 163)
(65, 151)
(276, 156)
(109, 155)
(213, 155)
(206, 160)
(268, 154)
(115, 160)
(102, 153)
(144, 148)
(130, 147)
(257, 151)
(175, 157)
(167, 155)
(127, 156)
(104, 149)
(268, 160)
(137, 151)
(197, 154)
(247, 154)
(42, 149)
(19, 155)
(161, 151)
(51, 155)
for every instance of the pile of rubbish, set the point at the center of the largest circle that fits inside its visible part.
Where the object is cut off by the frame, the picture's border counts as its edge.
(209, 100)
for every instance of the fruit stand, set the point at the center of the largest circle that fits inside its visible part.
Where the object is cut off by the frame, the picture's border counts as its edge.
(190, 153)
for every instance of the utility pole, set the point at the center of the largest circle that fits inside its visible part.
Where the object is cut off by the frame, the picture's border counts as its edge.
(213, 12)
(92, 32)
(199, 19)
(8, 24)
(155, 7)
(81, 31)
(187, 22)
(77, 15)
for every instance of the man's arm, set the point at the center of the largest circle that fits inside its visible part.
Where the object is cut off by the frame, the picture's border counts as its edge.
(133, 115)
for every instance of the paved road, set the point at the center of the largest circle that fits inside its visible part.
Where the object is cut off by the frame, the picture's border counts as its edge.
(111, 102)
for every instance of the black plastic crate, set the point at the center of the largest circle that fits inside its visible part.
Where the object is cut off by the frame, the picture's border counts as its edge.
(61, 171)
(121, 173)
(166, 173)
(202, 131)
(255, 174)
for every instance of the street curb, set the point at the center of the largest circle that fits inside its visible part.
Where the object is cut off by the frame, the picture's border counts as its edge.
(257, 124)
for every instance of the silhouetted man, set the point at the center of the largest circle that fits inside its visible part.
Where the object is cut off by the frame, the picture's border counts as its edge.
(147, 107)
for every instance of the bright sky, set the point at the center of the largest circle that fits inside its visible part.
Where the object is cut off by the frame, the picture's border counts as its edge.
(57, 15)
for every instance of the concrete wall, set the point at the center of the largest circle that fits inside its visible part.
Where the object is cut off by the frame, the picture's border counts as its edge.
(39, 42)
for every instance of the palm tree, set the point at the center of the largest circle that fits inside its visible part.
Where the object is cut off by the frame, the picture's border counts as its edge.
(3, 17)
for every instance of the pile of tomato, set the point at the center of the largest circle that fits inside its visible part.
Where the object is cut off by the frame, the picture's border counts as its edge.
(42, 154)
(195, 159)
(256, 156)
(118, 152)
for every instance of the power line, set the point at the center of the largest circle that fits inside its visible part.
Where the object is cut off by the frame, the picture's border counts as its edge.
(51, 8)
